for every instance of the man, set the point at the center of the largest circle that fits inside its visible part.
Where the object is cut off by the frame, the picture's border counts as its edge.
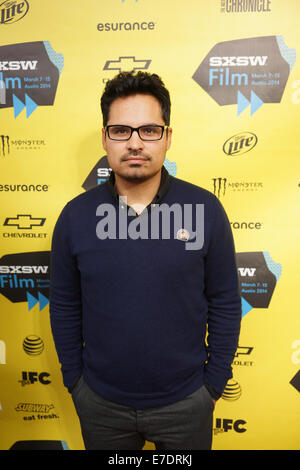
(145, 306)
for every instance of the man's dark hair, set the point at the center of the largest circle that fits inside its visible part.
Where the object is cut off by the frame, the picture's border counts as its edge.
(133, 83)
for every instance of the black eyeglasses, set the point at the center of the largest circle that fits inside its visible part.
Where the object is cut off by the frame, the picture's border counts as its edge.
(148, 133)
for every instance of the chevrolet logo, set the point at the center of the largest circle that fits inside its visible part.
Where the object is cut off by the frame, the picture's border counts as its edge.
(24, 221)
(243, 350)
(126, 63)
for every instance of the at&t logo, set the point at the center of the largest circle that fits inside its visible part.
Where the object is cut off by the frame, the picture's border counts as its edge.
(12, 11)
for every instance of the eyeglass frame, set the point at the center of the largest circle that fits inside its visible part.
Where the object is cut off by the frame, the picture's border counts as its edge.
(137, 129)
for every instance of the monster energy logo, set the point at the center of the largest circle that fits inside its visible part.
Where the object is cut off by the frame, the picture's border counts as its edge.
(219, 186)
(5, 148)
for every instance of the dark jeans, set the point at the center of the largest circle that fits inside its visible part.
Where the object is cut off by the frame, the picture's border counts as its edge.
(186, 424)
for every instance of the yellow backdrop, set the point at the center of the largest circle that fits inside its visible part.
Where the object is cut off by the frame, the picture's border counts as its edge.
(234, 79)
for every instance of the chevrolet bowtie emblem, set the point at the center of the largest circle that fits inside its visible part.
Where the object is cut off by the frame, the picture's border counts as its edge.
(126, 63)
(24, 221)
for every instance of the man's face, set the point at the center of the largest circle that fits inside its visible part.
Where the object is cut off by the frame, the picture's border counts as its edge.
(135, 159)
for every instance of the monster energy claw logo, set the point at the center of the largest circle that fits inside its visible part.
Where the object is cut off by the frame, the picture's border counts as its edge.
(5, 148)
(12, 11)
(219, 185)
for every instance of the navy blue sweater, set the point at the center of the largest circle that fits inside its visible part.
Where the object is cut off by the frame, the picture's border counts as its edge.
(145, 321)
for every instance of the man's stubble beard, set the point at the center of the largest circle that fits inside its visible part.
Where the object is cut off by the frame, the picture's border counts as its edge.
(141, 174)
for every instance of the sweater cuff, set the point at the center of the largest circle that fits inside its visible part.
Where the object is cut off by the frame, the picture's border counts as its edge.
(73, 385)
(212, 392)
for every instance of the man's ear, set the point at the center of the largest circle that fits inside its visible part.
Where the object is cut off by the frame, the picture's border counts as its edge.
(169, 137)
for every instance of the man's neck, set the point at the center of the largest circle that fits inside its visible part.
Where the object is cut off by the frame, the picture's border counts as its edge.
(138, 194)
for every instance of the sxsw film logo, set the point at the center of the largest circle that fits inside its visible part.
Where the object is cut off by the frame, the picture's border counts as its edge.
(246, 72)
(12, 11)
(258, 277)
(240, 143)
(25, 277)
(29, 75)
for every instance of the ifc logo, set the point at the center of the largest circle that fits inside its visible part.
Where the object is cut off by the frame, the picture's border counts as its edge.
(232, 391)
(33, 345)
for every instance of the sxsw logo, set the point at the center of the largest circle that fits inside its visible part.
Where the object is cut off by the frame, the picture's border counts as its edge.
(25, 277)
(250, 272)
(29, 75)
(246, 72)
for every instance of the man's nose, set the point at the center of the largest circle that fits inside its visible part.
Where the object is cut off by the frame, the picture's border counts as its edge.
(135, 141)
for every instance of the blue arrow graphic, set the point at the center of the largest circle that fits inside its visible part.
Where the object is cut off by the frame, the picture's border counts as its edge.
(30, 105)
(256, 102)
(32, 301)
(43, 301)
(242, 102)
(246, 307)
(18, 105)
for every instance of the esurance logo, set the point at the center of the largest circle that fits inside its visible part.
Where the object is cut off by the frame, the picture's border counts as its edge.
(12, 11)
(29, 75)
(246, 72)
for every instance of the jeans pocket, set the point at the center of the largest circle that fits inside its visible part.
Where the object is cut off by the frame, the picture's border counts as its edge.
(209, 397)
(77, 387)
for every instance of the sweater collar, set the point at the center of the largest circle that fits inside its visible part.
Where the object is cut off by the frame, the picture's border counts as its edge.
(163, 187)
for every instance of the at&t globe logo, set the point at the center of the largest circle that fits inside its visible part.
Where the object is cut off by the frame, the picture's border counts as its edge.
(33, 345)
(12, 11)
(232, 391)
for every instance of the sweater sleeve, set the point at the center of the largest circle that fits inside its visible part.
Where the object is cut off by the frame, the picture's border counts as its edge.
(65, 302)
(223, 300)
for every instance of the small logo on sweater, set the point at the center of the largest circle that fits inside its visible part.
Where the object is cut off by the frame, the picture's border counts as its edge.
(183, 235)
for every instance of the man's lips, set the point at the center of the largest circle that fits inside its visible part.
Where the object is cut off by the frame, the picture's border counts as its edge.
(135, 159)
